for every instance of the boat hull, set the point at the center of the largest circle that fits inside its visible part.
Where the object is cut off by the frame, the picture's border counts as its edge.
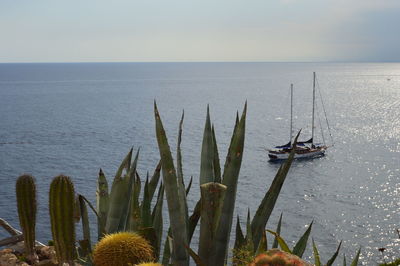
(277, 156)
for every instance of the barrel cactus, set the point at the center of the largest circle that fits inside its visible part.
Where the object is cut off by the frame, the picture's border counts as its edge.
(121, 249)
(26, 202)
(278, 257)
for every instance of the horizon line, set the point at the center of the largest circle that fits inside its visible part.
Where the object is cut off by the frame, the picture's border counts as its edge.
(140, 62)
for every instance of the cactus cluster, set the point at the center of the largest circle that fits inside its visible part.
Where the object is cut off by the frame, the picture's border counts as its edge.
(130, 222)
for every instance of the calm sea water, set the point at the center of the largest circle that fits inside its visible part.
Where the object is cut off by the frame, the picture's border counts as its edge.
(75, 118)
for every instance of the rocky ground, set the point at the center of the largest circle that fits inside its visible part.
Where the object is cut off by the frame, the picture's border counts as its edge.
(14, 256)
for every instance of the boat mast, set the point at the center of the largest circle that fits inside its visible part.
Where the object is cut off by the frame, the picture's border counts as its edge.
(313, 111)
(291, 112)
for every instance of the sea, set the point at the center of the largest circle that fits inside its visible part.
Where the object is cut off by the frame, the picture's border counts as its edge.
(75, 118)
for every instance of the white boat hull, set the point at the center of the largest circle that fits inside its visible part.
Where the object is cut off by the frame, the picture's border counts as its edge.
(274, 156)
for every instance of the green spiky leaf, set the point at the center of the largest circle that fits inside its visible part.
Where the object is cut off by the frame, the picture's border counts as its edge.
(317, 260)
(189, 185)
(146, 219)
(212, 198)
(207, 153)
(268, 203)
(230, 179)
(263, 246)
(281, 242)
(301, 245)
(102, 203)
(355, 260)
(153, 183)
(120, 190)
(333, 258)
(216, 164)
(240, 240)
(175, 195)
(157, 218)
(134, 218)
(195, 257)
(278, 231)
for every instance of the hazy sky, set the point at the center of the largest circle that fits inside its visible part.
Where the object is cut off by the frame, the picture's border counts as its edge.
(199, 30)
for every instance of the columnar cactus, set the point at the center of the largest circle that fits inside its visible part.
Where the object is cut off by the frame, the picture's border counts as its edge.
(26, 202)
(61, 206)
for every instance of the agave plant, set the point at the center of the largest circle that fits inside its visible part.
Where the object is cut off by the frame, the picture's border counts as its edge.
(115, 213)
(218, 194)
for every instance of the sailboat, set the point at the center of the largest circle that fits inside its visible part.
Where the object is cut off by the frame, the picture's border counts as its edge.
(304, 149)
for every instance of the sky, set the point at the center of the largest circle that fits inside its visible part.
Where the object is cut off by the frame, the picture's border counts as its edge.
(199, 30)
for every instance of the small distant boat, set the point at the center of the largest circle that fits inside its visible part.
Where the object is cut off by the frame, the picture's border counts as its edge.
(304, 149)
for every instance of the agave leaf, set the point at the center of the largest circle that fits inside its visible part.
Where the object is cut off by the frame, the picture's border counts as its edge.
(217, 167)
(130, 176)
(167, 250)
(278, 231)
(102, 201)
(230, 180)
(344, 260)
(175, 197)
(249, 234)
(194, 219)
(268, 203)
(146, 219)
(281, 242)
(85, 225)
(195, 257)
(118, 204)
(154, 180)
(317, 260)
(237, 119)
(212, 198)
(189, 185)
(179, 171)
(207, 153)
(124, 165)
(181, 184)
(150, 235)
(134, 218)
(263, 246)
(157, 218)
(240, 240)
(355, 260)
(301, 245)
(332, 260)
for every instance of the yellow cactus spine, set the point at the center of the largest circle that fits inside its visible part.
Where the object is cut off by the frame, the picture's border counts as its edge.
(121, 249)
